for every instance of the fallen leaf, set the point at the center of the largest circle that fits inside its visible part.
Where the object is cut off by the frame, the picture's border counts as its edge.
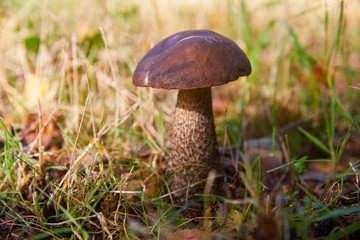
(270, 179)
(51, 136)
(186, 234)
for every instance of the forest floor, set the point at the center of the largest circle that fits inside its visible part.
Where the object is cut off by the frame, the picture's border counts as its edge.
(83, 151)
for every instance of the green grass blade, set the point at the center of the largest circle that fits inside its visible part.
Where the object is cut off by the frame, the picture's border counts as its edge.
(258, 47)
(246, 25)
(315, 140)
(342, 147)
(339, 212)
(307, 60)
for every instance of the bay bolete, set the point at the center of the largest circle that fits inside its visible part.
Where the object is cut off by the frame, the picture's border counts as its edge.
(192, 61)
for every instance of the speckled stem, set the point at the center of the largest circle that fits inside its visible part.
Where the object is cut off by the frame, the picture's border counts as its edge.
(193, 149)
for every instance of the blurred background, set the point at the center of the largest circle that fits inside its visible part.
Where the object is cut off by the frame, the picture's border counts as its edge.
(79, 56)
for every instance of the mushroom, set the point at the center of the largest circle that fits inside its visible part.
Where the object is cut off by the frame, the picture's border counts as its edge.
(192, 61)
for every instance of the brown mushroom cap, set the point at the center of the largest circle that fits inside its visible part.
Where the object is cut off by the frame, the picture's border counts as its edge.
(192, 59)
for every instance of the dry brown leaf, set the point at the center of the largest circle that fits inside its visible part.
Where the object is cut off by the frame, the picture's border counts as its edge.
(270, 179)
(51, 135)
(186, 234)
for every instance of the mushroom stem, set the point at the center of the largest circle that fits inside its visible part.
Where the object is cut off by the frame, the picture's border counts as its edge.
(193, 150)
